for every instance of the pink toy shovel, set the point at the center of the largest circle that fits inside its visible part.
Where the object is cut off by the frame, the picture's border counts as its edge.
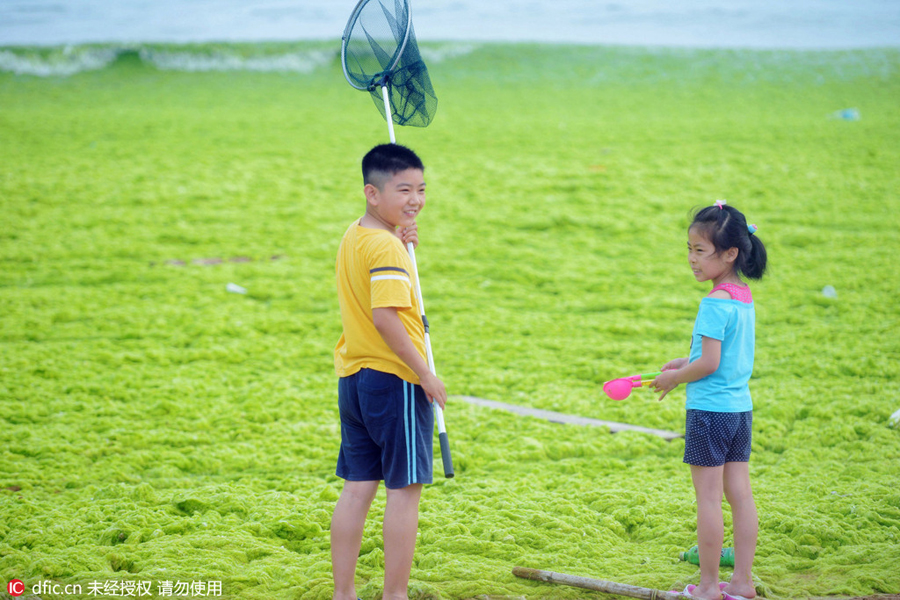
(619, 389)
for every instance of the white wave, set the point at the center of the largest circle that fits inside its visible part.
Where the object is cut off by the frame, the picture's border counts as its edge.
(67, 62)
(70, 60)
(433, 55)
(296, 62)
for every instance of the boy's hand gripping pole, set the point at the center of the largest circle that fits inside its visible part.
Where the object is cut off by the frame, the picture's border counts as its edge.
(438, 412)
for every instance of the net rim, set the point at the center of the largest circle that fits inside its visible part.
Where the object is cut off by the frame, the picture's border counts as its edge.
(345, 38)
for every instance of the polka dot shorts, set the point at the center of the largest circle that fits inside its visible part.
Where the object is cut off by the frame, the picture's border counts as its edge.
(712, 439)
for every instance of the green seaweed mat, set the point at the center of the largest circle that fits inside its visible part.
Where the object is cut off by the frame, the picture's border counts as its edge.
(156, 428)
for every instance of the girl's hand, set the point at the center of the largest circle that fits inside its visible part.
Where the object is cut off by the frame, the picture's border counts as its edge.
(409, 234)
(675, 364)
(666, 381)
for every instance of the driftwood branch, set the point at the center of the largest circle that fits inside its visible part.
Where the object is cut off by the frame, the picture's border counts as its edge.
(557, 417)
(599, 585)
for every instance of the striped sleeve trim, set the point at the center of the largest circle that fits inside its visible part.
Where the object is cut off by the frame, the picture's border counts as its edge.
(390, 273)
(403, 278)
(398, 269)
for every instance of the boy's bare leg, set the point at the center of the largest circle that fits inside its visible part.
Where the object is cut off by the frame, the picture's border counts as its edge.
(401, 524)
(710, 528)
(347, 524)
(746, 527)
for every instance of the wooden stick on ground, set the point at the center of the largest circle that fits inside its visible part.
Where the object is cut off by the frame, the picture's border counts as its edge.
(600, 585)
(557, 417)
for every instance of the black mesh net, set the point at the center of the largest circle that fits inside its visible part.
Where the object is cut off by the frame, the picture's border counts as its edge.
(379, 49)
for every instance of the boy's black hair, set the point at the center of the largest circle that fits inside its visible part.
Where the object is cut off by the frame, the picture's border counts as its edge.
(726, 227)
(386, 160)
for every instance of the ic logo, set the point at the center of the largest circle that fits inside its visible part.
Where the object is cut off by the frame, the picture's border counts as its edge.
(15, 587)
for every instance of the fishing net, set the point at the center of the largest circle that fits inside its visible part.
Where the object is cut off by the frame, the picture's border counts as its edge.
(379, 50)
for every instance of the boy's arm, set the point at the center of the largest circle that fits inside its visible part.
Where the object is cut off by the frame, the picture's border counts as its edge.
(711, 354)
(394, 334)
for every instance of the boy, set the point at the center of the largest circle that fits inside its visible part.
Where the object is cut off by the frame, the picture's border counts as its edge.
(385, 385)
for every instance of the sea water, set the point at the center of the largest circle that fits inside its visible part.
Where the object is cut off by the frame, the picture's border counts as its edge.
(807, 24)
(64, 37)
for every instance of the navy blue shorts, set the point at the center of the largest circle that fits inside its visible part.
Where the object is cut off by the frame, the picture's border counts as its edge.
(387, 427)
(712, 439)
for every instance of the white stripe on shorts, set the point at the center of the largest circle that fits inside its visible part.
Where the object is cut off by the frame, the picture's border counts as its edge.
(412, 419)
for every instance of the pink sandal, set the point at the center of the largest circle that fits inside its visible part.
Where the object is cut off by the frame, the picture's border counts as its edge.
(689, 591)
(723, 585)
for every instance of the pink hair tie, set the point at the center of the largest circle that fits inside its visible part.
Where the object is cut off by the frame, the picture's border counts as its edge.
(720, 204)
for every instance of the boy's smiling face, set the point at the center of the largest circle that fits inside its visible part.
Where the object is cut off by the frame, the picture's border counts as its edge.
(397, 200)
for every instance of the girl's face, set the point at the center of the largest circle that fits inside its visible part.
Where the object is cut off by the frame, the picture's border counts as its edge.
(706, 263)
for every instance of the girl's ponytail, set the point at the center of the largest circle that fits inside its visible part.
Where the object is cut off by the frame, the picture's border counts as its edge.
(755, 266)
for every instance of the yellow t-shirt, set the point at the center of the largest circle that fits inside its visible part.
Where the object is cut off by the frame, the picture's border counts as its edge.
(374, 271)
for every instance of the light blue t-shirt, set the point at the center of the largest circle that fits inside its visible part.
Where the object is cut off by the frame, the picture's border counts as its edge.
(733, 323)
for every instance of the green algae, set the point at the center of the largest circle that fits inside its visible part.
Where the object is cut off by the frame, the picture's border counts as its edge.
(155, 427)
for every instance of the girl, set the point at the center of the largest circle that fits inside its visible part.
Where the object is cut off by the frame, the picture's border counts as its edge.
(721, 249)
